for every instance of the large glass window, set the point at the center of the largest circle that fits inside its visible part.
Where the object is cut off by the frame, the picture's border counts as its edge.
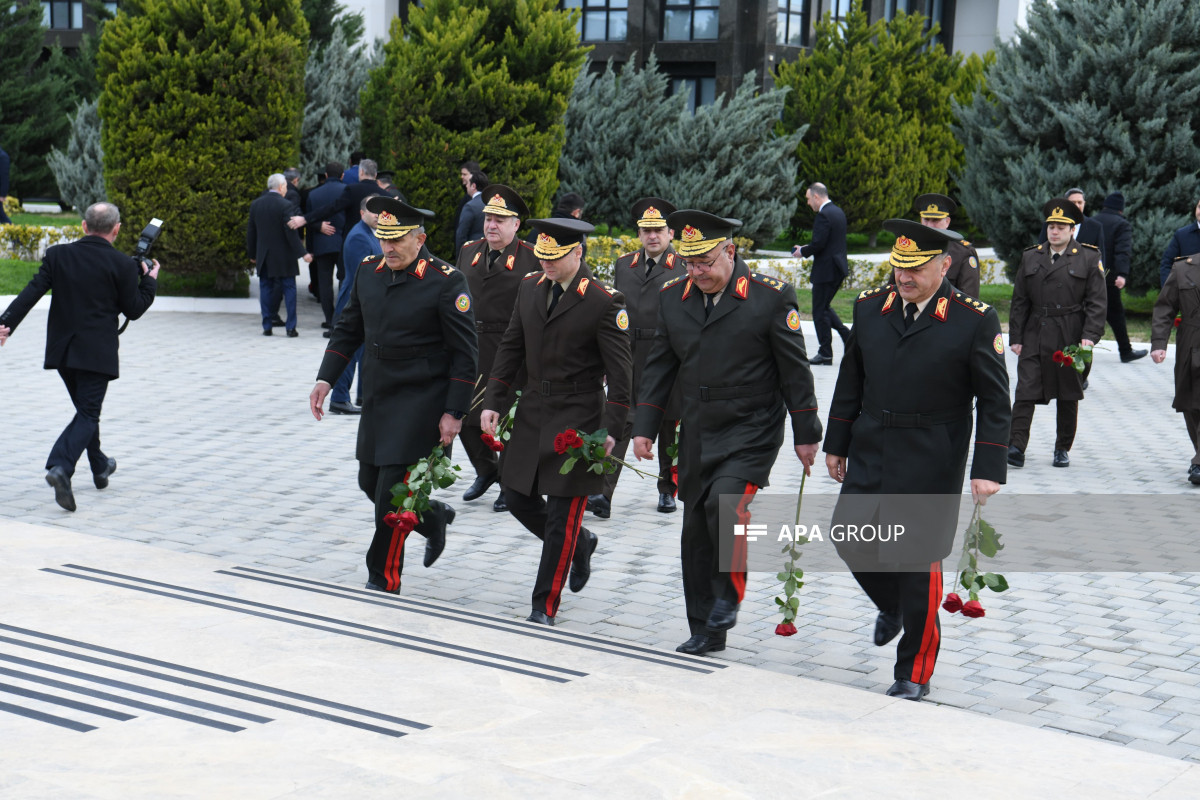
(790, 25)
(601, 20)
(838, 9)
(65, 14)
(686, 20)
(699, 91)
(932, 10)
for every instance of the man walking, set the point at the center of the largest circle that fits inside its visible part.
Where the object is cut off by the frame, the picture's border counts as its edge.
(921, 354)
(413, 313)
(494, 267)
(327, 248)
(92, 282)
(1117, 249)
(275, 249)
(569, 334)
(829, 269)
(1180, 297)
(732, 341)
(361, 243)
(1058, 300)
(934, 211)
(1184, 242)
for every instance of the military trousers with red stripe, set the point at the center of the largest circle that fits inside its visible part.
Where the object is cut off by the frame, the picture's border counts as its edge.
(916, 595)
(705, 578)
(385, 557)
(558, 522)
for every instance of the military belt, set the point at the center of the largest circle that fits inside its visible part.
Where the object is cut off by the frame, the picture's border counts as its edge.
(547, 388)
(1056, 311)
(490, 327)
(643, 333)
(891, 419)
(398, 353)
(706, 393)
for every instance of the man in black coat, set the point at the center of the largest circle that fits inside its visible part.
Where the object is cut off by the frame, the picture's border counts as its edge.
(274, 248)
(326, 248)
(470, 221)
(92, 282)
(732, 340)
(920, 355)
(829, 269)
(1117, 248)
(413, 314)
(1184, 242)
(1087, 231)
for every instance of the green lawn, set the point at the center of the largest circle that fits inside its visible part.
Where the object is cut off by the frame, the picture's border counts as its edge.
(15, 274)
(57, 220)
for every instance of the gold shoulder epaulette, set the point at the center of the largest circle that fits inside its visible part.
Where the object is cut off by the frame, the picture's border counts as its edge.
(867, 294)
(608, 290)
(671, 283)
(1034, 247)
(371, 257)
(767, 280)
(1092, 246)
(970, 302)
(446, 268)
(526, 244)
(535, 274)
(1188, 259)
(965, 243)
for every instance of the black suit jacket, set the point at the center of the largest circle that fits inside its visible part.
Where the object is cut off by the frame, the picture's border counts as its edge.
(273, 246)
(1117, 249)
(1185, 242)
(93, 282)
(828, 247)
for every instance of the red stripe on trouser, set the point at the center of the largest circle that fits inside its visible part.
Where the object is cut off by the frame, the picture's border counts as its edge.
(738, 579)
(574, 523)
(927, 655)
(395, 556)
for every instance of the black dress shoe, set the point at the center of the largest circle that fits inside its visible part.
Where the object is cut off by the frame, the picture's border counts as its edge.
(61, 482)
(1016, 458)
(267, 332)
(723, 615)
(1061, 459)
(700, 644)
(375, 587)
(819, 360)
(541, 618)
(666, 503)
(501, 504)
(293, 333)
(344, 408)
(278, 320)
(325, 325)
(476, 490)
(101, 478)
(436, 542)
(908, 690)
(1194, 474)
(886, 628)
(599, 505)
(325, 334)
(1133, 355)
(581, 565)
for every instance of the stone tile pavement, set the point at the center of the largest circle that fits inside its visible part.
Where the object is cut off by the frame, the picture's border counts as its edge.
(218, 455)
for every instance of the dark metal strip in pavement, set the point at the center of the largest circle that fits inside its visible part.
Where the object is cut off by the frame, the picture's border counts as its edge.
(66, 702)
(569, 638)
(129, 687)
(335, 621)
(41, 716)
(214, 676)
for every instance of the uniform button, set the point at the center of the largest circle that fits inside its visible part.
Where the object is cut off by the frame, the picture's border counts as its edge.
(1056, 305)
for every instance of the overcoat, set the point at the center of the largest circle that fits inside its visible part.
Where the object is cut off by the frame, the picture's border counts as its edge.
(641, 298)
(1181, 296)
(964, 268)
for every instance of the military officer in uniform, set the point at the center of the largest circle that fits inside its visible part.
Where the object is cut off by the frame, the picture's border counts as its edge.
(1180, 296)
(639, 276)
(568, 334)
(920, 354)
(494, 266)
(412, 313)
(1059, 299)
(935, 211)
(732, 340)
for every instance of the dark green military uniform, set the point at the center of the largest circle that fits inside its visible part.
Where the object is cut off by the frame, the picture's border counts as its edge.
(1180, 296)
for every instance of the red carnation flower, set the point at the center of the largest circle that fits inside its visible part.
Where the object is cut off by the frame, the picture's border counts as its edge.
(497, 446)
(1058, 356)
(487, 438)
(785, 629)
(973, 609)
(1067, 361)
(391, 519)
(407, 520)
(953, 603)
(1177, 321)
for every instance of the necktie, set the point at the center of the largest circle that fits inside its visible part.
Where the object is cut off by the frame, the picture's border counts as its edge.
(1054, 257)
(708, 304)
(556, 291)
(910, 313)
(649, 266)
(493, 256)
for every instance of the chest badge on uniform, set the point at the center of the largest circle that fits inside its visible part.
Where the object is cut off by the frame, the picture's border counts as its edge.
(998, 344)
(974, 264)
(462, 303)
(887, 304)
(623, 319)
(475, 260)
(793, 319)
(742, 287)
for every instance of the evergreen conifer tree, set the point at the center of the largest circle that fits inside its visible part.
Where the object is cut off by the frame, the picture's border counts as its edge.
(35, 99)
(1097, 95)
(464, 80)
(79, 171)
(333, 80)
(201, 102)
(326, 17)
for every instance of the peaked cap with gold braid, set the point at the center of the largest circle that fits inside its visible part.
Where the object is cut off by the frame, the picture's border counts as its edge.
(504, 202)
(1062, 211)
(652, 212)
(396, 218)
(934, 206)
(700, 231)
(916, 244)
(558, 236)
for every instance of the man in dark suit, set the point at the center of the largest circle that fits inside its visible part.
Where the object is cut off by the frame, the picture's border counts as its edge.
(470, 222)
(1118, 251)
(413, 314)
(569, 335)
(639, 276)
(1185, 242)
(920, 355)
(360, 244)
(494, 266)
(274, 248)
(829, 269)
(326, 248)
(732, 341)
(4, 164)
(92, 282)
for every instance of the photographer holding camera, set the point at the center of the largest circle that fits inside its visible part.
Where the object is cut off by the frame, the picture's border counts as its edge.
(93, 282)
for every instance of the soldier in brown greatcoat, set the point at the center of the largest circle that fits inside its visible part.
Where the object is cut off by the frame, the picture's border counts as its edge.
(494, 267)
(1180, 296)
(1059, 299)
(935, 211)
(570, 335)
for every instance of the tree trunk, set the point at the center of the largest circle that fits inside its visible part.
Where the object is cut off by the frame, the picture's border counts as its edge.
(871, 241)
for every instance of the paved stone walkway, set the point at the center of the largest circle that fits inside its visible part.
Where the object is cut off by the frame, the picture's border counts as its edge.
(219, 455)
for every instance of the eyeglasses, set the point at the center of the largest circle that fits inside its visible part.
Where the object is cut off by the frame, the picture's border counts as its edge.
(692, 265)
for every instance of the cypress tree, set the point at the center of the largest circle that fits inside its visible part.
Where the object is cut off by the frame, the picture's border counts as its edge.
(79, 171)
(201, 101)
(333, 80)
(1097, 95)
(326, 18)
(464, 80)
